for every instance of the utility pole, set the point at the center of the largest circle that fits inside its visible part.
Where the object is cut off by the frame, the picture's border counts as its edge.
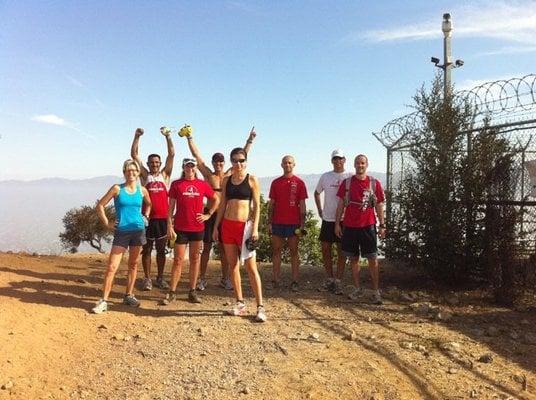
(447, 65)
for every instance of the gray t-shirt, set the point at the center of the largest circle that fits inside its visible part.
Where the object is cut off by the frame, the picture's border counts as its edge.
(329, 183)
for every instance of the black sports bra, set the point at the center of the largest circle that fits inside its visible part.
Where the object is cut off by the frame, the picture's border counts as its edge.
(242, 191)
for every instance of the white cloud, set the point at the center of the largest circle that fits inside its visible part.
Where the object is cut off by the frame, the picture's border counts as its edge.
(53, 119)
(512, 21)
(50, 119)
(508, 50)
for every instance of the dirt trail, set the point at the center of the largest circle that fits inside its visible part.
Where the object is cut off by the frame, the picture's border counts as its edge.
(314, 346)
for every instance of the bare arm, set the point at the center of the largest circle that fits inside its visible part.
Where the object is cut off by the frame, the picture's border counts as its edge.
(135, 154)
(318, 203)
(197, 155)
(381, 218)
(146, 201)
(249, 141)
(110, 194)
(271, 204)
(256, 198)
(303, 209)
(221, 209)
(338, 215)
(202, 217)
(168, 167)
(171, 231)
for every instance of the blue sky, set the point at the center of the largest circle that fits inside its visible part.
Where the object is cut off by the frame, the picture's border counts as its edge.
(77, 77)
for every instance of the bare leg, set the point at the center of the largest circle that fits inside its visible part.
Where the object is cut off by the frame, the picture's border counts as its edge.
(327, 258)
(204, 259)
(277, 246)
(354, 262)
(374, 272)
(146, 258)
(176, 271)
(224, 263)
(193, 271)
(113, 263)
(254, 279)
(160, 245)
(294, 257)
(341, 262)
(232, 253)
(133, 258)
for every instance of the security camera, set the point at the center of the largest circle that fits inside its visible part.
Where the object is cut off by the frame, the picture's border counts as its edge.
(435, 60)
(446, 16)
(458, 63)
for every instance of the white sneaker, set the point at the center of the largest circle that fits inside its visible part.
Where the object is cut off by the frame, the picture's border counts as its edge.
(238, 309)
(100, 307)
(201, 284)
(147, 285)
(356, 293)
(261, 314)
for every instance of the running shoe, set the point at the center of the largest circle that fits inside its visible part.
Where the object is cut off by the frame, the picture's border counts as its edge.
(356, 293)
(337, 287)
(261, 314)
(294, 286)
(170, 297)
(201, 284)
(327, 286)
(376, 298)
(146, 284)
(161, 283)
(238, 309)
(100, 307)
(192, 296)
(131, 300)
(226, 283)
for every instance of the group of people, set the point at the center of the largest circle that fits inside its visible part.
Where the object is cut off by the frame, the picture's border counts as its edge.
(224, 208)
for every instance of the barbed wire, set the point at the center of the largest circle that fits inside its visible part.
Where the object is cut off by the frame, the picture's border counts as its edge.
(498, 102)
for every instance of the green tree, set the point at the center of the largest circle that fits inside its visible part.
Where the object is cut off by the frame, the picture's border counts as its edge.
(83, 225)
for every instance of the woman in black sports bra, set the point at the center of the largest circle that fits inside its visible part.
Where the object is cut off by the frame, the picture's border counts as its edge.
(239, 215)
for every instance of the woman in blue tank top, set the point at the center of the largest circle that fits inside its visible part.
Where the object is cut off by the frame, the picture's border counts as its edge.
(129, 231)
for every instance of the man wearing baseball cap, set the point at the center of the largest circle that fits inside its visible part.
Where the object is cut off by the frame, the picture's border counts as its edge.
(329, 183)
(214, 178)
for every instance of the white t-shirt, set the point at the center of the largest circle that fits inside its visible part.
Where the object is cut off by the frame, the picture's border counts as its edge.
(329, 183)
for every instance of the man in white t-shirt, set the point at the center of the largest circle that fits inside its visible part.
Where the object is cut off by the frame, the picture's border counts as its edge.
(329, 184)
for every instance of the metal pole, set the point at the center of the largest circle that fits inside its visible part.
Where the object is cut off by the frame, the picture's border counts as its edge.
(446, 27)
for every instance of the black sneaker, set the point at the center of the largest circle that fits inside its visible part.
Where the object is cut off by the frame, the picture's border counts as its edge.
(170, 297)
(131, 300)
(192, 296)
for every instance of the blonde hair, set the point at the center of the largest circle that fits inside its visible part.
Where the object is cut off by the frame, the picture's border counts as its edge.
(130, 162)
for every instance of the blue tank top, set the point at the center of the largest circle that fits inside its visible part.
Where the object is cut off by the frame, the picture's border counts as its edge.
(128, 209)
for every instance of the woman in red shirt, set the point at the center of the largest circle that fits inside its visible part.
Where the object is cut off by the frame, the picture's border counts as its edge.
(186, 224)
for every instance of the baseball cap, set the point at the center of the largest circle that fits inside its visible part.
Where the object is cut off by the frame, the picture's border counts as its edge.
(337, 153)
(186, 161)
(218, 157)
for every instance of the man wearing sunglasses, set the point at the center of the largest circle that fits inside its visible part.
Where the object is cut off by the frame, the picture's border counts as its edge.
(156, 180)
(286, 219)
(215, 178)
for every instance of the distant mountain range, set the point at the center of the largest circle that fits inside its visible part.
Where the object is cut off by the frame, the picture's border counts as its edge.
(31, 211)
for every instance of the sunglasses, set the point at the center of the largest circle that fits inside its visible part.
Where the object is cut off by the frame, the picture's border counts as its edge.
(241, 161)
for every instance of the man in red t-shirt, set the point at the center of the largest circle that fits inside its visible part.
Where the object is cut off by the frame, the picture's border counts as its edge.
(286, 219)
(361, 202)
(156, 180)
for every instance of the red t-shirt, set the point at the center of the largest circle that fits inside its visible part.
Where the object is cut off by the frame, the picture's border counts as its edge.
(287, 194)
(157, 188)
(189, 202)
(354, 215)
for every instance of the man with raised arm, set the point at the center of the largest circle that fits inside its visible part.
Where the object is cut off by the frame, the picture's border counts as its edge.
(156, 180)
(361, 201)
(286, 219)
(215, 178)
(329, 184)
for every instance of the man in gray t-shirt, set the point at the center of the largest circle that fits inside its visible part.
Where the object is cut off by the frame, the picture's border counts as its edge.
(329, 183)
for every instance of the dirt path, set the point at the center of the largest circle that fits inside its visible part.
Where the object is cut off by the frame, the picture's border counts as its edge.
(314, 345)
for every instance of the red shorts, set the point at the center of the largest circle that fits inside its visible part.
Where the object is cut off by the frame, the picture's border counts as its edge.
(232, 232)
